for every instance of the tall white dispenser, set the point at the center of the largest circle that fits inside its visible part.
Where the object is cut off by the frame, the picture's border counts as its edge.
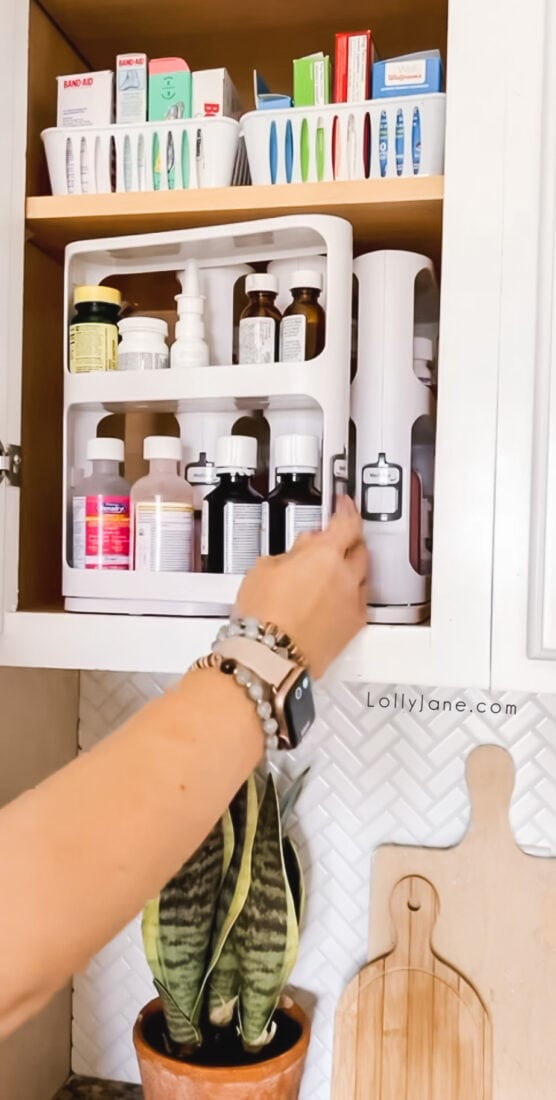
(393, 409)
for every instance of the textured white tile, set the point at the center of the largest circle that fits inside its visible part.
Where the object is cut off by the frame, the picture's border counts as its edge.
(378, 774)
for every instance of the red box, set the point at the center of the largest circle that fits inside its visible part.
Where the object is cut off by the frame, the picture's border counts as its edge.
(353, 64)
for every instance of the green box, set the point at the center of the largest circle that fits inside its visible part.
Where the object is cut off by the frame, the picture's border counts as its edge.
(312, 78)
(170, 90)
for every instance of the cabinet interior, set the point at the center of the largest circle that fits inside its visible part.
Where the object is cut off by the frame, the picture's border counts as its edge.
(66, 37)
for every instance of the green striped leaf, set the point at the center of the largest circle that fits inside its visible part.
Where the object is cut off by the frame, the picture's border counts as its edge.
(266, 933)
(185, 918)
(223, 971)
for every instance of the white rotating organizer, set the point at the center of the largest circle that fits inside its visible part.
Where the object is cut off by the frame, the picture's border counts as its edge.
(311, 397)
(394, 416)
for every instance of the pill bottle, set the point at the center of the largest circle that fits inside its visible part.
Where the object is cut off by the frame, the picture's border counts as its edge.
(232, 513)
(143, 344)
(162, 511)
(93, 331)
(295, 505)
(101, 510)
(302, 331)
(259, 324)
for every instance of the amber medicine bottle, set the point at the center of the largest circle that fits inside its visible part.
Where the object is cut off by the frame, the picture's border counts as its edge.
(259, 324)
(232, 513)
(302, 330)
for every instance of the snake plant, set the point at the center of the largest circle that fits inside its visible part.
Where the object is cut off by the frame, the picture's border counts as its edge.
(222, 938)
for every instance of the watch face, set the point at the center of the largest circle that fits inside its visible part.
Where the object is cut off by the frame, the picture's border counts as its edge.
(299, 709)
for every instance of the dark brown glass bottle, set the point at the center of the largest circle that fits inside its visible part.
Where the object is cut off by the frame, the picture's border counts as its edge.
(303, 328)
(259, 324)
(232, 513)
(295, 505)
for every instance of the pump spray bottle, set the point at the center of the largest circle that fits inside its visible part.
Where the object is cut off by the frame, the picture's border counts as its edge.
(190, 348)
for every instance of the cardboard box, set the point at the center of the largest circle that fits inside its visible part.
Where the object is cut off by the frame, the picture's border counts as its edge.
(412, 74)
(131, 88)
(311, 80)
(170, 89)
(265, 100)
(86, 99)
(353, 65)
(215, 95)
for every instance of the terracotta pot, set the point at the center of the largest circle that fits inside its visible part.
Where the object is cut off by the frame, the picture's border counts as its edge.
(166, 1079)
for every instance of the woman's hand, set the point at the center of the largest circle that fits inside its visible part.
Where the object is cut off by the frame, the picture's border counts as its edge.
(318, 592)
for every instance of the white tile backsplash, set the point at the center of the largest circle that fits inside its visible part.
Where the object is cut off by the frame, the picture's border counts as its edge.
(378, 774)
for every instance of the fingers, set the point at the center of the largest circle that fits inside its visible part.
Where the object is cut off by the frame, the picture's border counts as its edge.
(344, 530)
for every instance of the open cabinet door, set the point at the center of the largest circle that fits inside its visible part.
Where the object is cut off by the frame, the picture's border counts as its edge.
(13, 97)
(524, 635)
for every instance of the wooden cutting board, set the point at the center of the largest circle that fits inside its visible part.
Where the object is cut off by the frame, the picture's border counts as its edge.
(409, 1026)
(496, 926)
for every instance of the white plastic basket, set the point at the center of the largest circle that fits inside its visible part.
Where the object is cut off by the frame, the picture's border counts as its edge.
(146, 157)
(385, 138)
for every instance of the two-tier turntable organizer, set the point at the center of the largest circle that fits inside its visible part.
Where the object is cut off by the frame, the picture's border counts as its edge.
(308, 397)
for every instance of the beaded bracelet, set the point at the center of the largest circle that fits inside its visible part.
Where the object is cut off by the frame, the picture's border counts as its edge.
(268, 635)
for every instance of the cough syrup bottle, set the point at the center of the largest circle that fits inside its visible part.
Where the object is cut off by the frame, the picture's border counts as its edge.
(232, 513)
(163, 511)
(295, 505)
(101, 510)
(259, 324)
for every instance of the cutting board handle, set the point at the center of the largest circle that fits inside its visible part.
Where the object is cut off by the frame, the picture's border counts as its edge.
(490, 775)
(414, 908)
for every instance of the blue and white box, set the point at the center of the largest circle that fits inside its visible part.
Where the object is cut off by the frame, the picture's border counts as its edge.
(412, 74)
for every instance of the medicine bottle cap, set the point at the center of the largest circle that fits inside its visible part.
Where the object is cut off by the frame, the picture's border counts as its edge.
(154, 325)
(236, 452)
(111, 450)
(306, 278)
(423, 348)
(107, 294)
(262, 282)
(162, 446)
(297, 454)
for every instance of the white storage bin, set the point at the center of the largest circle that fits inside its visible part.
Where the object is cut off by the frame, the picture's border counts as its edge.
(150, 156)
(381, 138)
(308, 398)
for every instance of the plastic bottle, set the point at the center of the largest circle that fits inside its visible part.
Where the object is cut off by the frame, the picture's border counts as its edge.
(190, 348)
(295, 505)
(232, 513)
(303, 328)
(202, 477)
(101, 510)
(162, 511)
(259, 324)
(93, 331)
(143, 345)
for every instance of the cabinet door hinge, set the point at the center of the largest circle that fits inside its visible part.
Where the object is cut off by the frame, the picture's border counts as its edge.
(10, 464)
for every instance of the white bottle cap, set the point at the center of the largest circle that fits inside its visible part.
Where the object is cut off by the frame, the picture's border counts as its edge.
(236, 452)
(297, 454)
(423, 348)
(111, 450)
(144, 324)
(261, 282)
(187, 305)
(162, 446)
(306, 278)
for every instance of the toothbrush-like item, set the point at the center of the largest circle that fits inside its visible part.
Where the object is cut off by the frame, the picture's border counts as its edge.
(383, 144)
(273, 153)
(336, 157)
(170, 162)
(70, 167)
(400, 142)
(304, 142)
(367, 145)
(128, 167)
(84, 167)
(289, 151)
(141, 182)
(319, 150)
(185, 159)
(416, 141)
(156, 162)
(351, 150)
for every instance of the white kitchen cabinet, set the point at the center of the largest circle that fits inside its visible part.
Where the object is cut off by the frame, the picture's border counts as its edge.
(524, 606)
(459, 219)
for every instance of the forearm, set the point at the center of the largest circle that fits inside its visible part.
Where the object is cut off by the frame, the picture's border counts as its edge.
(81, 853)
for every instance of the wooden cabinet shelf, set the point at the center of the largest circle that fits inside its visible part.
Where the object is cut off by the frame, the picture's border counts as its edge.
(405, 213)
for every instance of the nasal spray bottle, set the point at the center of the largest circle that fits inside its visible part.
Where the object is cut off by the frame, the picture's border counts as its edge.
(190, 348)
(393, 413)
(217, 286)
